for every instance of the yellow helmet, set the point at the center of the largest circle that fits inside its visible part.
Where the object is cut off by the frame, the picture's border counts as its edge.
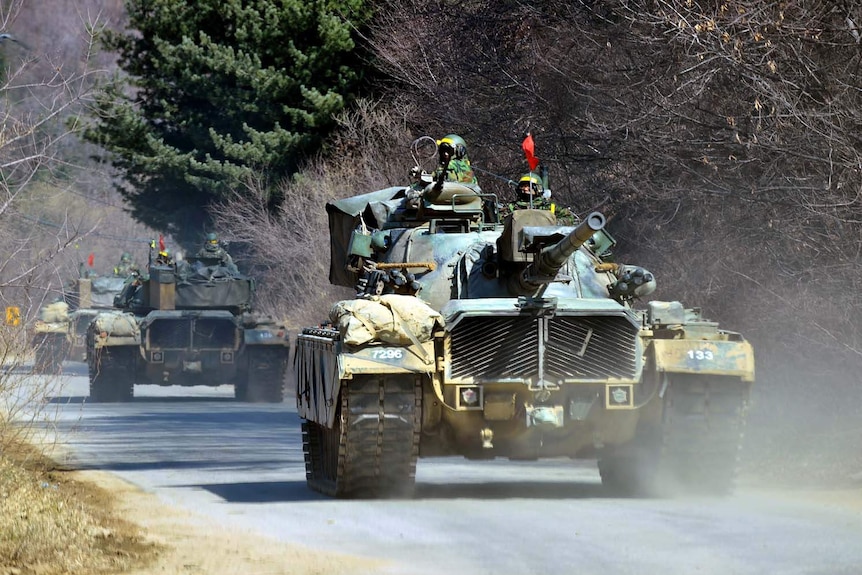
(530, 183)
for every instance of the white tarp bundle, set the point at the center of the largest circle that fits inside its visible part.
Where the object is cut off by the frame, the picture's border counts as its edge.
(116, 323)
(394, 319)
(56, 312)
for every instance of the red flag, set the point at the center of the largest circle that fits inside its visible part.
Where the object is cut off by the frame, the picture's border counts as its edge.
(91, 259)
(529, 148)
(161, 243)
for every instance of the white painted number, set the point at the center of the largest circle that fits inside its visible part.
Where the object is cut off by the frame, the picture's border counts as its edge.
(701, 354)
(387, 353)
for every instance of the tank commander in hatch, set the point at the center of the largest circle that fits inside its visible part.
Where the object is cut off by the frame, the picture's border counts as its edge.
(126, 266)
(532, 195)
(212, 250)
(453, 158)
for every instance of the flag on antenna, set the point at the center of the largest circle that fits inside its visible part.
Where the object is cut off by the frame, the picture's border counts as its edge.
(529, 147)
(161, 243)
(91, 259)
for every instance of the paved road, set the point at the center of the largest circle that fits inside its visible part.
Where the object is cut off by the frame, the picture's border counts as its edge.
(241, 465)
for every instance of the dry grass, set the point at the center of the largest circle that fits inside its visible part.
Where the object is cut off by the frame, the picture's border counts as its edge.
(52, 524)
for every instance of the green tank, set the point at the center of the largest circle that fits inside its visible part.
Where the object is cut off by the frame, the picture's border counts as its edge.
(519, 339)
(186, 324)
(59, 333)
(48, 337)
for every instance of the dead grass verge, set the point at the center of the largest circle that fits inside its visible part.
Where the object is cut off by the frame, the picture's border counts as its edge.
(50, 523)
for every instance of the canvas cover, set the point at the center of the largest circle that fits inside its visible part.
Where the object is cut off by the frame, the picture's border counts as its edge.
(55, 312)
(103, 291)
(374, 208)
(392, 318)
(116, 324)
(229, 294)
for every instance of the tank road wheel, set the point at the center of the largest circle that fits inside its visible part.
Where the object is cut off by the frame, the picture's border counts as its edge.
(264, 380)
(49, 354)
(697, 448)
(112, 374)
(371, 450)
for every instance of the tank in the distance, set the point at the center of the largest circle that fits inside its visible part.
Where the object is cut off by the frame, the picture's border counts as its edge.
(187, 323)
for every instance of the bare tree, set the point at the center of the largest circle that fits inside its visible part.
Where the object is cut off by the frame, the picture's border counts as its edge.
(43, 218)
(288, 252)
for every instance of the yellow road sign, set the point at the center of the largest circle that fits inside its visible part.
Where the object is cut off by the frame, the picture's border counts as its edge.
(13, 315)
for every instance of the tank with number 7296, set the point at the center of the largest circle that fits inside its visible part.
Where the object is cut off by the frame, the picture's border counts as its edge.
(515, 337)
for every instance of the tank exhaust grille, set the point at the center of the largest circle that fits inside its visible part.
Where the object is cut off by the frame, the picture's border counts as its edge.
(597, 348)
(187, 333)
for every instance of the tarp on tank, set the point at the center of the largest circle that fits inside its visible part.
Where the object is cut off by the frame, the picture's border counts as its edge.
(229, 294)
(103, 291)
(344, 217)
(392, 318)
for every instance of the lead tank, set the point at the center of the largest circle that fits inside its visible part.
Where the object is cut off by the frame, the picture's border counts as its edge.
(188, 323)
(519, 339)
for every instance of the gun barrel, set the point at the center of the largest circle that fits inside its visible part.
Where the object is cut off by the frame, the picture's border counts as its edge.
(549, 261)
(552, 258)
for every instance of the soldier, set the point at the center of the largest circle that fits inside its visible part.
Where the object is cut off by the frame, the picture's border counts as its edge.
(532, 195)
(453, 149)
(164, 258)
(212, 250)
(126, 266)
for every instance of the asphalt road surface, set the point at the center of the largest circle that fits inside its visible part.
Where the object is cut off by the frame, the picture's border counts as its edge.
(241, 465)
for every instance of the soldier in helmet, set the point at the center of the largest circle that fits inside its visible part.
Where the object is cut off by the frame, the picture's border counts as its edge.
(533, 195)
(213, 250)
(164, 258)
(126, 266)
(453, 149)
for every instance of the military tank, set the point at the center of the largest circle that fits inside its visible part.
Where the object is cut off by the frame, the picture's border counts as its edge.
(519, 339)
(48, 337)
(59, 333)
(187, 323)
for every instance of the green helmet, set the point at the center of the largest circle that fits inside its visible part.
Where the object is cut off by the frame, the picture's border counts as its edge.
(456, 143)
(211, 242)
(126, 257)
(530, 184)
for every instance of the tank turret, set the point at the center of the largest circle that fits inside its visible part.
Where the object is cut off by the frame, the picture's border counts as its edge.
(549, 259)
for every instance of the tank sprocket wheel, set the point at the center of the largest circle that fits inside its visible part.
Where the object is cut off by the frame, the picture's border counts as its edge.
(696, 449)
(112, 374)
(372, 449)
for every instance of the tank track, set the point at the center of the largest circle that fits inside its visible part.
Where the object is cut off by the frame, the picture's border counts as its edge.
(112, 374)
(264, 379)
(372, 449)
(695, 450)
(703, 432)
(49, 354)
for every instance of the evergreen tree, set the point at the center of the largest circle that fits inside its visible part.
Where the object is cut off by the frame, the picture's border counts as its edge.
(217, 91)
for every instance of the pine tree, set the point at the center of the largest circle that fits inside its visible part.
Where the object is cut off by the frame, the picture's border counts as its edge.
(218, 91)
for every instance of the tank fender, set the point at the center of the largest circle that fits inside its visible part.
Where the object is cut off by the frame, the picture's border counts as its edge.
(265, 336)
(321, 364)
(387, 359)
(708, 357)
